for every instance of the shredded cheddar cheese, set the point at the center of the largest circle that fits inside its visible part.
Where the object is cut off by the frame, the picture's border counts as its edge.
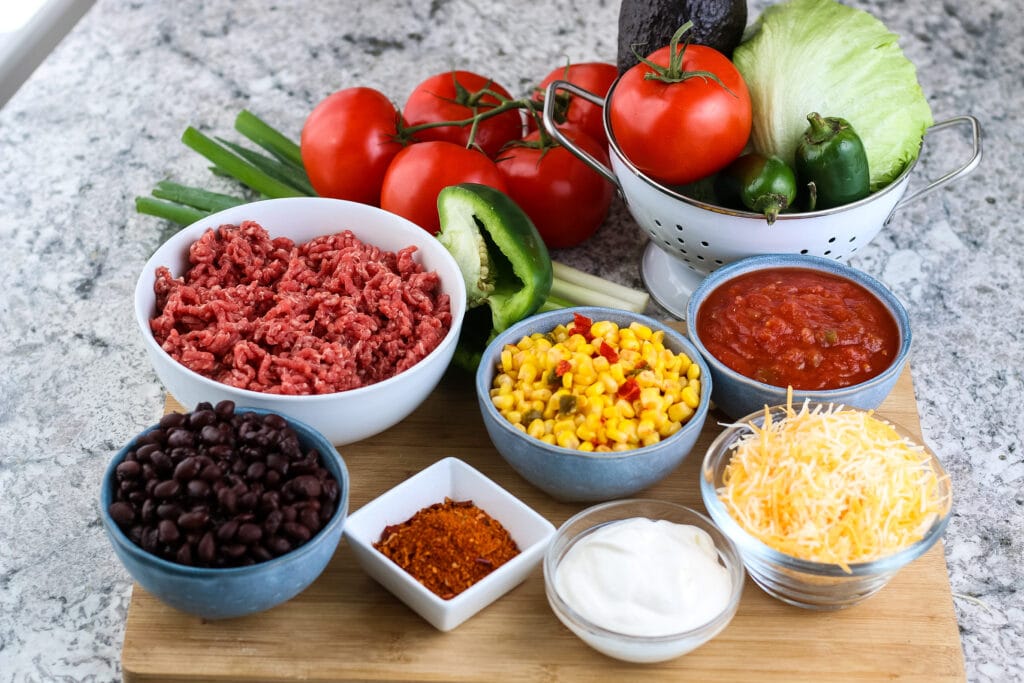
(834, 485)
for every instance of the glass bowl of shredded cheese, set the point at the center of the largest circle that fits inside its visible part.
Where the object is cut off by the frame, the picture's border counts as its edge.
(826, 503)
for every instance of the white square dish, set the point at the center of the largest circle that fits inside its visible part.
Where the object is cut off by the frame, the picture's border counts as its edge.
(447, 478)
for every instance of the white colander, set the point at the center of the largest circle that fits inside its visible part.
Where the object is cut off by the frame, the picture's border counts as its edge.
(691, 238)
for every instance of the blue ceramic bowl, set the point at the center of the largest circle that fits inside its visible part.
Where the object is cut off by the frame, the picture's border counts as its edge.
(213, 593)
(570, 475)
(737, 395)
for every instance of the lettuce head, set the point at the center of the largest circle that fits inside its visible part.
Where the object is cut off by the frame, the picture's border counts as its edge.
(804, 56)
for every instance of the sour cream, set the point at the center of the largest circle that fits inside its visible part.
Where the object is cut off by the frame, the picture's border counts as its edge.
(645, 577)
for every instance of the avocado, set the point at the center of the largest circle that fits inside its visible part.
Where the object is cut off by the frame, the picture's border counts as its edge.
(648, 25)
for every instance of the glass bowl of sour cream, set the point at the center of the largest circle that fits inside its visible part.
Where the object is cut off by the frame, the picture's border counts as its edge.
(643, 580)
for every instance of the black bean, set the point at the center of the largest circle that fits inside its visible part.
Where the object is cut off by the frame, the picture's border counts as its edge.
(180, 437)
(306, 486)
(220, 451)
(248, 500)
(148, 511)
(181, 453)
(330, 490)
(156, 436)
(201, 418)
(310, 518)
(149, 539)
(137, 498)
(128, 485)
(197, 488)
(326, 512)
(191, 521)
(278, 545)
(233, 550)
(278, 462)
(187, 469)
(211, 473)
(271, 479)
(211, 435)
(184, 554)
(272, 522)
(274, 421)
(260, 553)
(270, 500)
(162, 462)
(129, 469)
(166, 489)
(172, 420)
(225, 409)
(256, 470)
(169, 511)
(249, 533)
(122, 513)
(296, 531)
(167, 531)
(143, 452)
(290, 512)
(207, 548)
(227, 531)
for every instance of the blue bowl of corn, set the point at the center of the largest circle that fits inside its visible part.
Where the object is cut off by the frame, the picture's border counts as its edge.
(592, 404)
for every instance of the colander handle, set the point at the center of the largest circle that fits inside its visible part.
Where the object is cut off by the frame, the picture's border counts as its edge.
(555, 132)
(954, 174)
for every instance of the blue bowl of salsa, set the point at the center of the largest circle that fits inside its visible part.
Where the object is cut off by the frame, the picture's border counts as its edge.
(773, 323)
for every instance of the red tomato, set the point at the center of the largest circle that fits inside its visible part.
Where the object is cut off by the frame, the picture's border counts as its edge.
(596, 77)
(347, 143)
(566, 199)
(456, 96)
(419, 173)
(681, 132)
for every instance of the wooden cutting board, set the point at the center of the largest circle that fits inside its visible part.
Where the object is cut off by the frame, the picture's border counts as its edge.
(346, 627)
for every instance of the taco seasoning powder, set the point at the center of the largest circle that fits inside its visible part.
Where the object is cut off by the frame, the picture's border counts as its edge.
(448, 546)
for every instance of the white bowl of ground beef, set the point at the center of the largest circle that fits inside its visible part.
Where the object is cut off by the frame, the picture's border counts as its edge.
(339, 314)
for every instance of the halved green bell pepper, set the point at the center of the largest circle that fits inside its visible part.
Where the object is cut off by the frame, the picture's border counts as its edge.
(504, 262)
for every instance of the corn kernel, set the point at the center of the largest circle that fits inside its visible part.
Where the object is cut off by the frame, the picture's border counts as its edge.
(693, 372)
(503, 402)
(690, 397)
(680, 412)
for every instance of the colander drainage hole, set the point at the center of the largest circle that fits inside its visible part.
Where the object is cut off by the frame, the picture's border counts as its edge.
(803, 251)
(657, 222)
(831, 240)
(705, 244)
(679, 227)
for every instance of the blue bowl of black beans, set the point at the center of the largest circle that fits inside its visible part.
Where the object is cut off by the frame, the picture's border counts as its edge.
(221, 512)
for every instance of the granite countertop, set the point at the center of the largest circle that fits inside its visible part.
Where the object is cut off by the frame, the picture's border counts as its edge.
(99, 123)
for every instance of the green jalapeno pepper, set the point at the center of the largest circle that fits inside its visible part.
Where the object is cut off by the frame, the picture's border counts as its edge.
(831, 156)
(504, 262)
(765, 184)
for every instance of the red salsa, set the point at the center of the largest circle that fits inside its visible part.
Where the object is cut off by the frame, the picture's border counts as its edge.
(798, 327)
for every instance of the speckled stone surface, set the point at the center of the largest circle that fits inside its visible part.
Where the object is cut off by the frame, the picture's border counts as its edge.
(99, 123)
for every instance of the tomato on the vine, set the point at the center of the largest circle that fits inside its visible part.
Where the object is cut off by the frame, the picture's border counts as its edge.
(685, 122)
(347, 143)
(595, 77)
(566, 199)
(419, 173)
(459, 95)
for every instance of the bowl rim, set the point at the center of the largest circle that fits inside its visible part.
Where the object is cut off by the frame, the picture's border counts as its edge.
(750, 264)
(144, 282)
(485, 369)
(754, 547)
(736, 569)
(613, 144)
(121, 539)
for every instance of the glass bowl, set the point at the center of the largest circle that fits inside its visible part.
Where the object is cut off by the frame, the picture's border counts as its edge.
(623, 646)
(806, 584)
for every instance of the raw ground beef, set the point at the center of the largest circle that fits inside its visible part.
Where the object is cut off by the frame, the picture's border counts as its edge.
(272, 316)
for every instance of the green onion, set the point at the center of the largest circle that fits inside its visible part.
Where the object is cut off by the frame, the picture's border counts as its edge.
(176, 213)
(279, 170)
(238, 168)
(270, 139)
(573, 287)
(195, 197)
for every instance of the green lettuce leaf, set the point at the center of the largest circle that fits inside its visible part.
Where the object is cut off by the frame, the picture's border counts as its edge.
(805, 56)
